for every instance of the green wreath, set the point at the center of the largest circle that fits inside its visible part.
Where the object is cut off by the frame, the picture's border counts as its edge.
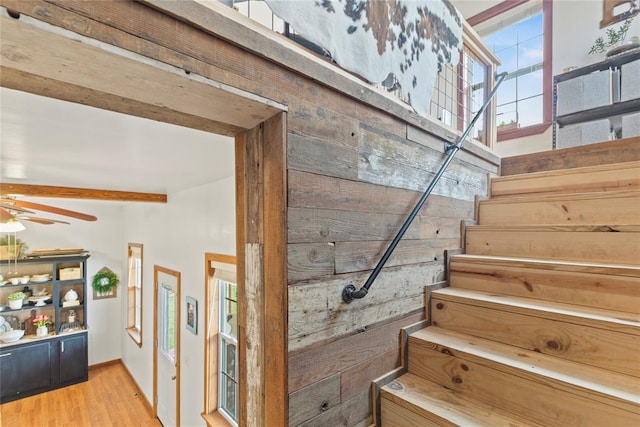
(104, 281)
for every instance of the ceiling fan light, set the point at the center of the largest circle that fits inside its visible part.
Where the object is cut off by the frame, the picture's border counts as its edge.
(11, 226)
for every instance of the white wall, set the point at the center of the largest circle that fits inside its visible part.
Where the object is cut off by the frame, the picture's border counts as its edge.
(576, 25)
(176, 236)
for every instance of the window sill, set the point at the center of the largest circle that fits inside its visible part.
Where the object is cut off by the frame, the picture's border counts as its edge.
(214, 419)
(135, 336)
(507, 135)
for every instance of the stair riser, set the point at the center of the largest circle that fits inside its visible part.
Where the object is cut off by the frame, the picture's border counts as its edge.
(605, 349)
(608, 178)
(611, 292)
(590, 246)
(537, 398)
(619, 210)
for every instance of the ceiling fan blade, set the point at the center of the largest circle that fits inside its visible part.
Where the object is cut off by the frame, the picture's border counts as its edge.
(14, 208)
(45, 221)
(5, 215)
(50, 209)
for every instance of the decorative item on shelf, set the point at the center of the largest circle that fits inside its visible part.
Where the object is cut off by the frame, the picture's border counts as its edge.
(12, 335)
(41, 321)
(70, 298)
(105, 284)
(29, 326)
(27, 292)
(615, 41)
(72, 324)
(15, 300)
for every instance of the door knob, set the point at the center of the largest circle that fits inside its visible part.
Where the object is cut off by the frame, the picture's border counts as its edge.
(173, 378)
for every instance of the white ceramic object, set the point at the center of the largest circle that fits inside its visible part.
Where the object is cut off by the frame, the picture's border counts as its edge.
(15, 280)
(24, 280)
(12, 336)
(39, 300)
(15, 304)
(42, 331)
(71, 295)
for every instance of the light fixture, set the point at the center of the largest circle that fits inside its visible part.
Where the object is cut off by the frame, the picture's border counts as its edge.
(11, 226)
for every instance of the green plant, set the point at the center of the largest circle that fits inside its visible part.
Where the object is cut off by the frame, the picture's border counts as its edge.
(614, 37)
(104, 281)
(16, 296)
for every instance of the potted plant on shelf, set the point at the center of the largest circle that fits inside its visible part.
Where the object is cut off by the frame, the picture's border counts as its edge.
(104, 282)
(615, 40)
(15, 300)
(41, 321)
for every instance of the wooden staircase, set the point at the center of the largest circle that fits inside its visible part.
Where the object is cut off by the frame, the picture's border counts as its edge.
(540, 323)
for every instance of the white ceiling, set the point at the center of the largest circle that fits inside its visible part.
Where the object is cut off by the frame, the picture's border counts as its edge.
(50, 142)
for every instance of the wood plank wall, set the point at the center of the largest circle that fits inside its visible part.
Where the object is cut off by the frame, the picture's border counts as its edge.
(354, 172)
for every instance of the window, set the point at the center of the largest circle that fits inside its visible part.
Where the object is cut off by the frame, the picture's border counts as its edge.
(134, 293)
(519, 33)
(221, 341)
(167, 327)
(228, 350)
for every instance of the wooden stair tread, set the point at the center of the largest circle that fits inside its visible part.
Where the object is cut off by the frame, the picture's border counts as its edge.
(556, 265)
(560, 374)
(440, 404)
(587, 316)
(552, 197)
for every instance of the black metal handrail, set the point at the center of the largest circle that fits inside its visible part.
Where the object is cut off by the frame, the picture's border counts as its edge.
(349, 293)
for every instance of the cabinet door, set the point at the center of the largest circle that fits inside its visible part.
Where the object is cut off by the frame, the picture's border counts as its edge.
(24, 370)
(73, 359)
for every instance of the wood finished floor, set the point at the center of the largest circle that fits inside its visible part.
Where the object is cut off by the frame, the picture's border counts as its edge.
(109, 398)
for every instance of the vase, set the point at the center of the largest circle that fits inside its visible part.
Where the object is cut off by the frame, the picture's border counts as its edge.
(42, 331)
(15, 304)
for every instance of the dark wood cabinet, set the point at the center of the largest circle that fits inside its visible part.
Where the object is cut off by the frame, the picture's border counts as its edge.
(30, 368)
(25, 370)
(36, 364)
(72, 353)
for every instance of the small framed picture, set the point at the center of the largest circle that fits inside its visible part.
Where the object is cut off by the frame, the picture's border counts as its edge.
(192, 315)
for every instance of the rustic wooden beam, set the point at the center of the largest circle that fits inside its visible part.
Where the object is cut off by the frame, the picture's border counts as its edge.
(57, 57)
(79, 193)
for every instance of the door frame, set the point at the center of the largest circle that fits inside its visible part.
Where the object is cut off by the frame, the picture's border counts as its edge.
(159, 269)
(48, 59)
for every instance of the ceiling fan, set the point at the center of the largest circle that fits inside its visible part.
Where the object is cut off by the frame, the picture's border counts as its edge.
(13, 209)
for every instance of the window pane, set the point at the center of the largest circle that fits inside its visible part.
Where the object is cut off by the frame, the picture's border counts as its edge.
(229, 359)
(530, 85)
(530, 52)
(506, 114)
(530, 111)
(507, 92)
(229, 309)
(519, 45)
(229, 397)
(168, 323)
